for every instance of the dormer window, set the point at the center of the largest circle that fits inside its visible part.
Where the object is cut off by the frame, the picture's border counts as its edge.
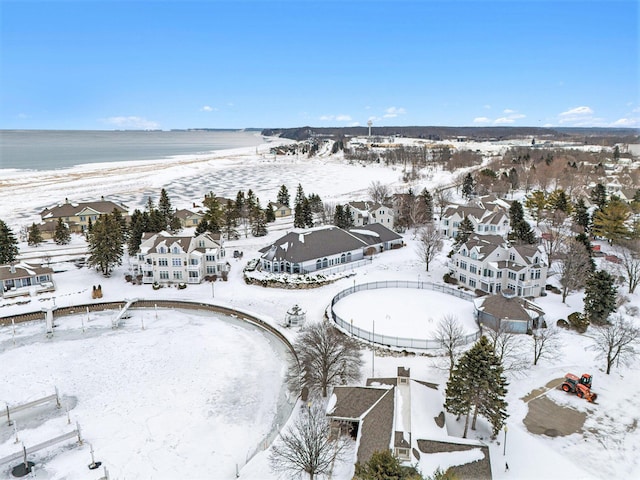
(175, 250)
(162, 250)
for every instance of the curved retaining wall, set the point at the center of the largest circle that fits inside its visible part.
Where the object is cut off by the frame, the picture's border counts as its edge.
(389, 341)
(94, 307)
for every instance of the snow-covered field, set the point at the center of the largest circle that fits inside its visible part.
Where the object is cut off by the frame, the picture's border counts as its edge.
(190, 395)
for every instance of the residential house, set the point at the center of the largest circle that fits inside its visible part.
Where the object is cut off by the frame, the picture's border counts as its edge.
(78, 215)
(281, 210)
(491, 264)
(189, 218)
(309, 250)
(367, 213)
(507, 312)
(489, 216)
(24, 279)
(406, 417)
(166, 258)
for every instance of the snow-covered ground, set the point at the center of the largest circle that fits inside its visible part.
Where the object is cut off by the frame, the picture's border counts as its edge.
(178, 399)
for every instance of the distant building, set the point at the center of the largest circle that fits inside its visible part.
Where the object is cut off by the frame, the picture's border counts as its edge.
(509, 313)
(281, 210)
(22, 279)
(78, 215)
(366, 213)
(189, 218)
(489, 216)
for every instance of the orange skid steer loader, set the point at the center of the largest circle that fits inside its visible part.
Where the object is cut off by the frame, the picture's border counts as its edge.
(580, 386)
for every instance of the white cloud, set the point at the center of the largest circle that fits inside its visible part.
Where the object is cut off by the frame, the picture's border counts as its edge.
(481, 120)
(208, 108)
(508, 111)
(354, 124)
(488, 107)
(626, 122)
(393, 112)
(578, 117)
(132, 122)
(338, 118)
(503, 121)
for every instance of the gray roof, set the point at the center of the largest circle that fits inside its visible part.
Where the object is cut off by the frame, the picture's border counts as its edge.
(304, 245)
(22, 270)
(382, 234)
(68, 209)
(484, 243)
(515, 308)
(353, 402)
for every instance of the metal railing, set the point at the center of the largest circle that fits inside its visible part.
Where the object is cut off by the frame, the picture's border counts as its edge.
(393, 341)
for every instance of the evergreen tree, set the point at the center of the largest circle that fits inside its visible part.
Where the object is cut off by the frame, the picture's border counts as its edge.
(599, 297)
(610, 221)
(537, 203)
(299, 220)
(61, 235)
(230, 220)
(384, 466)
(202, 227)
(307, 214)
(315, 203)
(583, 239)
(616, 153)
(478, 383)
(270, 214)
(137, 226)
(599, 196)
(426, 200)
(259, 226)
(8, 244)
(520, 229)
(338, 216)
(581, 216)
(283, 196)
(514, 180)
(165, 209)
(558, 200)
(467, 186)
(124, 228)
(213, 213)
(34, 237)
(465, 230)
(175, 225)
(348, 218)
(105, 244)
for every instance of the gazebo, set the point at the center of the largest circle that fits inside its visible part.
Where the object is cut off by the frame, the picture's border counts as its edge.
(295, 317)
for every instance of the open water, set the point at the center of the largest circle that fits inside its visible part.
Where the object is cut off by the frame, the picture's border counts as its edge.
(54, 149)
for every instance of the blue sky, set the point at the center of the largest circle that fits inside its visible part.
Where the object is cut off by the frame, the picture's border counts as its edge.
(237, 64)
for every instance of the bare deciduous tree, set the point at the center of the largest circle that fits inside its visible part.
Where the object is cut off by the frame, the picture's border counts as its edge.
(629, 254)
(378, 192)
(508, 347)
(575, 267)
(429, 243)
(450, 337)
(307, 447)
(554, 240)
(616, 341)
(546, 344)
(441, 199)
(325, 357)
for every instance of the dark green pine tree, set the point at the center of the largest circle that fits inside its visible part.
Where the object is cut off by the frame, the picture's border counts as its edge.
(61, 235)
(467, 186)
(202, 227)
(137, 226)
(465, 230)
(427, 205)
(105, 244)
(298, 209)
(520, 229)
(230, 220)
(270, 214)
(283, 196)
(338, 216)
(478, 384)
(8, 244)
(599, 297)
(561, 202)
(383, 465)
(165, 209)
(34, 237)
(124, 228)
(307, 213)
(599, 196)
(258, 221)
(315, 202)
(213, 213)
(581, 216)
(583, 238)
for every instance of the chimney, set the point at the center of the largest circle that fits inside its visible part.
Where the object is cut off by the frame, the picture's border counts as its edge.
(66, 200)
(102, 198)
(12, 268)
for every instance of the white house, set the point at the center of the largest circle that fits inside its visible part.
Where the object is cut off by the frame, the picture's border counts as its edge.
(23, 279)
(488, 216)
(491, 264)
(366, 213)
(166, 258)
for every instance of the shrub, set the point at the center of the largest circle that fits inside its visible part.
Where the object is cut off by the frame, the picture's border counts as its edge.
(578, 322)
(449, 279)
(562, 323)
(128, 277)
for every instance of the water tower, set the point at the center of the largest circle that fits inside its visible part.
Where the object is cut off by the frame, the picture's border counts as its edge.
(369, 123)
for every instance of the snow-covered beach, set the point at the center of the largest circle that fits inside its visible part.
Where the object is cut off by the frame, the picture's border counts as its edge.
(164, 434)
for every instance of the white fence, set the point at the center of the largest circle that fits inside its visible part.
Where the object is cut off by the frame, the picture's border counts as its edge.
(387, 340)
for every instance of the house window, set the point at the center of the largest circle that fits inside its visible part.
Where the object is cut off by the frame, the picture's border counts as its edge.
(472, 283)
(318, 264)
(162, 262)
(325, 263)
(201, 243)
(402, 453)
(463, 279)
(512, 276)
(474, 255)
(176, 262)
(211, 269)
(193, 261)
(446, 222)
(473, 269)
(164, 275)
(343, 258)
(463, 265)
(348, 256)
(162, 250)
(535, 274)
(499, 274)
(177, 275)
(512, 257)
(193, 274)
(210, 258)
(522, 277)
(175, 250)
(83, 218)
